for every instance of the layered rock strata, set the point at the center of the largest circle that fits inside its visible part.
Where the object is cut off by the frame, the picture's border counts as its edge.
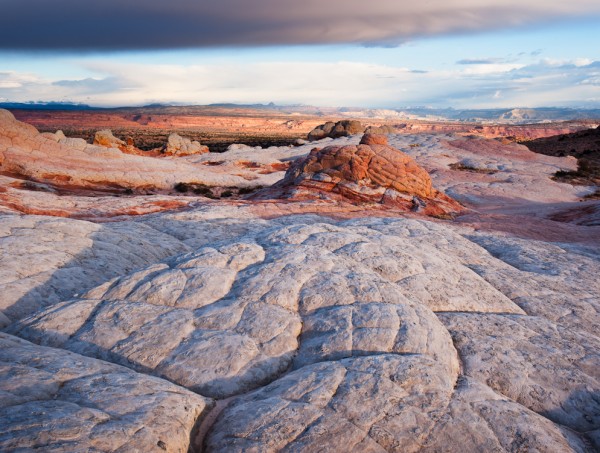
(73, 164)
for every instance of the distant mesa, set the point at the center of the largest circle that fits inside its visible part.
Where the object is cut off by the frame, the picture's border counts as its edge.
(46, 106)
(519, 114)
(372, 172)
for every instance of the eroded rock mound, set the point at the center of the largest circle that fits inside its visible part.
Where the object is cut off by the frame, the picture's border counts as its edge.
(182, 146)
(371, 172)
(241, 314)
(106, 138)
(57, 136)
(384, 129)
(330, 129)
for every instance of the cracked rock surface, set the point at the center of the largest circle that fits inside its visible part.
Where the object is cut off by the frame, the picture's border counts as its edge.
(375, 334)
(56, 400)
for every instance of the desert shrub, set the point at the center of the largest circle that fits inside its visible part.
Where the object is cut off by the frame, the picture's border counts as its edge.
(201, 189)
(463, 167)
(198, 189)
(247, 190)
(588, 172)
(564, 173)
(584, 166)
(182, 187)
(445, 216)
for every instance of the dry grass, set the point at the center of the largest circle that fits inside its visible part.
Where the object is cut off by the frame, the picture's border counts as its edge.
(462, 167)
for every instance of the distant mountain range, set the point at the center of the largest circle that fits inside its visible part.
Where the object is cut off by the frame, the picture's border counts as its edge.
(44, 106)
(511, 116)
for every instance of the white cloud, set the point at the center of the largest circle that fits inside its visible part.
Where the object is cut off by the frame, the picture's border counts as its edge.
(491, 68)
(9, 84)
(317, 83)
(12, 79)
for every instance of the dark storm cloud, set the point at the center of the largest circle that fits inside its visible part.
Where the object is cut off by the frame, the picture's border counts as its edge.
(156, 24)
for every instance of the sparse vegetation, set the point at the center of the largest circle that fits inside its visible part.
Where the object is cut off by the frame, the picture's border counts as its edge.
(445, 216)
(247, 190)
(198, 189)
(182, 187)
(214, 192)
(201, 189)
(463, 167)
(148, 139)
(587, 173)
(584, 145)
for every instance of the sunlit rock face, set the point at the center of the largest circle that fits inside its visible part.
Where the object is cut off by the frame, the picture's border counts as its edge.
(370, 172)
(182, 146)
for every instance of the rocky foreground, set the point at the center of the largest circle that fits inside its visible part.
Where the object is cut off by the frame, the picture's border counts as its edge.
(313, 314)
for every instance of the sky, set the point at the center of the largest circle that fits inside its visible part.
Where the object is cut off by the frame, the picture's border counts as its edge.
(353, 53)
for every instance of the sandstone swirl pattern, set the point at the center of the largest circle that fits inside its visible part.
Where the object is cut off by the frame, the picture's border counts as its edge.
(55, 400)
(328, 334)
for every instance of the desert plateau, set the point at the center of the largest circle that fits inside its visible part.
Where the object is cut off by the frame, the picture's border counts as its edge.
(274, 226)
(388, 291)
